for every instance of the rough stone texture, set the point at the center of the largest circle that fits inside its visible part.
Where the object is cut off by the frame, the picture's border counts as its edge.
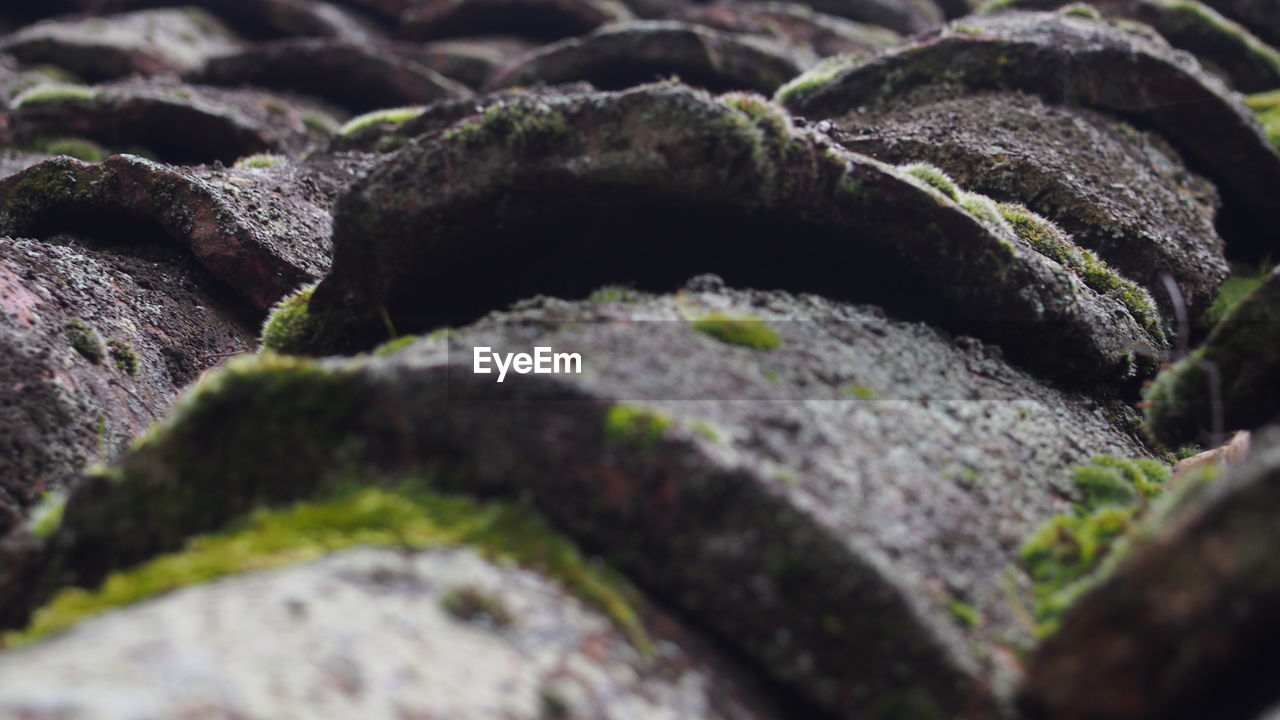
(625, 54)
(661, 182)
(263, 231)
(15, 161)
(104, 48)
(1120, 192)
(1221, 45)
(797, 24)
(357, 76)
(535, 19)
(902, 16)
(176, 122)
(762, 502)
(313, 640)
(66, 401)
(1260, 16)
(1186, 627)
(1236, 374)
(469, 61)
(260, 19)
(16, 78)
(1074, 60)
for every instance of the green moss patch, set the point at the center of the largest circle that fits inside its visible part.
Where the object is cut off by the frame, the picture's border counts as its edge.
(125, 358)
(408, 517)
(1052, 242)
(522, 126)
(631, 427)
(816, 78)
(1065, 556)
(934, 177)
(746, 331)
(1267, 106)
(613, 294)
(77, 148)
(85, 340)
(53, 92)
(390, 116)
(260, 161)
(1234, 290)
(473, 605)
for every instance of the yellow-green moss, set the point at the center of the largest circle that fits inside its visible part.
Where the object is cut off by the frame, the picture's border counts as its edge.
(1234, 290)
(85, 340)
(46, 517)
(290, 328)
(862, 393)
(522, 125)
(1267, 106)
(124, 356)
(390, 116)
(1052, 242)
(934, 177)
(77, 148)
(391, 348)
(611, 294)
(816, 78)
(1081, 10)
(631, 427)
(1066, 555)
(408, 517)
(53, 92)
(746, 331)
(965, 614)
(260, 161)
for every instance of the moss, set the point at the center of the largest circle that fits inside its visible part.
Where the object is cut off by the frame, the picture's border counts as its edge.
(1081, 10)
(391, 116)
(631, 427)
(1071, 552)
(407, 517)
(472, 605)
(319, 124)
(934, 177)
(53, 92)
(85, 340)
(761, 111)
(706, 430)
(260, 161)
(816, 78)
(126, 359)
(46, 517)
(862, 393)
(1052, 242)
(391, 348)
(1267, 106)
(292, 328)
(746, 331)
(612, 294)
(77, 148)
(984, 208)
(522, 125)
(1234, 290)
(965, 614)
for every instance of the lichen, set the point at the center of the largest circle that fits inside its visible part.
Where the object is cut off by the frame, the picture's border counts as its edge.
(260, 161)
(1071, 552)
(634, 428)
(390, 116)
(406, 517)
(126, 359)
(85, 340)
(53, 92)
(1052, 242)
(747, 331)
